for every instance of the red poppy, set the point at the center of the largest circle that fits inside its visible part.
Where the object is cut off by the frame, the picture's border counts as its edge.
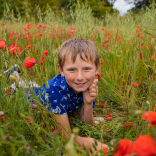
(102, 105)
(124, 148)
(103, 45)
(46, 53)
(105, 150)
(150, 117)
(109, 48)
(2, 44)
(144, 146)
(3, 24)
(8, 90)
(44, 68)
(25, 29)
(98, 74)
(29, 46)
(119, 38)
(53, 129)
(11, 36)
(14, 49)
(109, 116)
(42, 58)
(129, 124)
(41, 62)
(36, 35)
(153, 57)
(29, 62)
(141, 56)
(134, 84)
(101, 63)
(4, 117)
(106, 41)
(29, 120)
(103, 28)
(39, 26)
(29, 25)
(44, 26)
(141, 47)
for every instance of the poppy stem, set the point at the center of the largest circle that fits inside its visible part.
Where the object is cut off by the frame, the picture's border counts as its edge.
(0, 83)
(38, 72)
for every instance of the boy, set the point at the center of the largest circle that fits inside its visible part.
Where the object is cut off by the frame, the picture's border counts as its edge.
(76, 84)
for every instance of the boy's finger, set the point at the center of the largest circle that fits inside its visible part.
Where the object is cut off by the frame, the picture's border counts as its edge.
(94, 84)
(93, 90)
(95, 81)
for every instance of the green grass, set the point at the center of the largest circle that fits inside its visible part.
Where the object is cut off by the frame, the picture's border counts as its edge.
(122, 67)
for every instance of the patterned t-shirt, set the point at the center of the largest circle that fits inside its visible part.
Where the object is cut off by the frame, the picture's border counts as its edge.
(59, 97)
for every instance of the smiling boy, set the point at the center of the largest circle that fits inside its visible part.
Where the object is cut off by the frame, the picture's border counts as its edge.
(75, 88)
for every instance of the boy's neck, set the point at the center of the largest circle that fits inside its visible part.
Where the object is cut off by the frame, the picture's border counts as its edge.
(79, 94)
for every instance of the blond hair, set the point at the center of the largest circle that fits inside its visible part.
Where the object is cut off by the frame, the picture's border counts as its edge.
(73, 47)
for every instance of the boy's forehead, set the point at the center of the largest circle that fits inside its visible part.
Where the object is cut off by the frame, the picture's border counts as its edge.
(69, 60)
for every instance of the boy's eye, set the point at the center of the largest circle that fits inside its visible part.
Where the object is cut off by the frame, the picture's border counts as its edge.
(71, 69)
(87, 68)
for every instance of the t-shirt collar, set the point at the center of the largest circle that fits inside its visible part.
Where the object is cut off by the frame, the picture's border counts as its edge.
(72, 92)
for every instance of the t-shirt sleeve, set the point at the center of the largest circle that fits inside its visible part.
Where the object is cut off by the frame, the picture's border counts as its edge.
(95, 99)
(54, 99)
(94, 103)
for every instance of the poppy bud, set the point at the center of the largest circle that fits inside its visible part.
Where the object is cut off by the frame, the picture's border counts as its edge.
(7, 137)
(76, 130)
(1, 113)
(47, 85)
(138, 112)
(22, 115)
(13, 78)
(148, 102)
(120, 119)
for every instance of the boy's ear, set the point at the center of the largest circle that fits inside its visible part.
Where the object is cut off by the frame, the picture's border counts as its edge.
(61, 70)
(97, 69)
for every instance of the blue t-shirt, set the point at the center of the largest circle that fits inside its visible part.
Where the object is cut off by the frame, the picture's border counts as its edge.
(59, 97)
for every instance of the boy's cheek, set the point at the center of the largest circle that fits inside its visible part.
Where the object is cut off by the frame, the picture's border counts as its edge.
(69, 79)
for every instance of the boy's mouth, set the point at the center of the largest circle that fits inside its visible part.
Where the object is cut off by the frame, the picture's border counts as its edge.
(80, 84)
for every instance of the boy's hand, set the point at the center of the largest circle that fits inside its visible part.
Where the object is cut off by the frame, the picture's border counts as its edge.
(91, 93)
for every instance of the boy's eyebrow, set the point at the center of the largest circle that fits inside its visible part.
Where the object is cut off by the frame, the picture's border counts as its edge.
(75, 67)
(70, 68)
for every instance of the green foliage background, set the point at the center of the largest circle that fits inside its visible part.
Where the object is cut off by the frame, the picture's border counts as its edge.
(99, 7)
(122, 67)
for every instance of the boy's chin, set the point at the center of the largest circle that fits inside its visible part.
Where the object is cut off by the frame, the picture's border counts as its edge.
(79, 91)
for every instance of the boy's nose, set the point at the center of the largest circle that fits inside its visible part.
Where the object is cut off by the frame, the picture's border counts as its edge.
(79, 76)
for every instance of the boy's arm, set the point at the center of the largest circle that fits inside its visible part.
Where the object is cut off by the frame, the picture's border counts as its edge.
(86, 112)
(64, 129)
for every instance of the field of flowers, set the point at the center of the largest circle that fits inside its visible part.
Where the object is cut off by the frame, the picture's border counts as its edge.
(127, 88)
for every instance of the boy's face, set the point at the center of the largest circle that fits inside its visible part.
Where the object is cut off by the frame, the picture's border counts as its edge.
(79, 75)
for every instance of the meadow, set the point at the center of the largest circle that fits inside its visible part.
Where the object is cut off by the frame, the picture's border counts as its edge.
(127, 88)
